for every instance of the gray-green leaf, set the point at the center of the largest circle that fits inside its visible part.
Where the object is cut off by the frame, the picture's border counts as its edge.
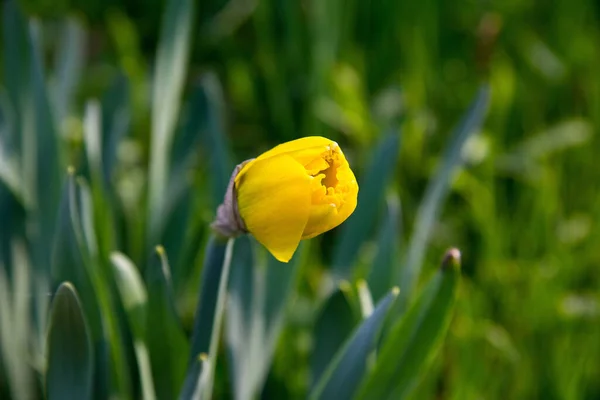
(70, 355)
(414, 339)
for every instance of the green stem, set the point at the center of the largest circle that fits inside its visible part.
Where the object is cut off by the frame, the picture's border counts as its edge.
(218, 319)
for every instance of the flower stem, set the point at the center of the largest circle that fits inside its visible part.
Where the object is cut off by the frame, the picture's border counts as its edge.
(218, 319)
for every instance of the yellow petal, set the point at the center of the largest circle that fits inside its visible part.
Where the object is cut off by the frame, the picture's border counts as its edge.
(304, 150)
(326, 216)
(274, 200)
(298, 145)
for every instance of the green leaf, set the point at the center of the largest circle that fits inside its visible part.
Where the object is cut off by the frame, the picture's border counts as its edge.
(92, 136)
(383, 269)
(70, 355)
(205, 312)
(75, 258)
(68, 68)
(18, 335)
(373, 184)
(132, 290)
(116, 120)
(345, 371)
(135, 299)
(259, 290)
(170, 70)
(70, 262)
(414, 339)
(12, 209)
(209, 100)
(15, 56)
(42, 152)
(437, 191)
(335, 322)
(207, 298)
(203, 378)
(209, 315)
(33, 136)
(10, 174)
(165, 338)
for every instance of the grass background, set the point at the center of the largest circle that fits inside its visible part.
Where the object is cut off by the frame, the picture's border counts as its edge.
(524, 210)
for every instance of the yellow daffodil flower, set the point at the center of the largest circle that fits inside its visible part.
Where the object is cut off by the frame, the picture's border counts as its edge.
(294, 191)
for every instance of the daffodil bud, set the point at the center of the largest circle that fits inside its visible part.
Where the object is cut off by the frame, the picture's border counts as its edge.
(295, 191)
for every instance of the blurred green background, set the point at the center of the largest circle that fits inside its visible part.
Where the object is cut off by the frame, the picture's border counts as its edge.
(524, 208)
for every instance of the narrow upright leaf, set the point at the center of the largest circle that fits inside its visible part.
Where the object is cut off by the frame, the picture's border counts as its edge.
(15, 319)
(384, 267)
(209, 100)
(165, 338)
(373, 184)
(204, 376)
(16, 60)
(68, 68)
(116, 119)
(75, 258)
(135, 301)
(43, 151)
(437, 190)
(259, 290)
(70, 355)
(335, 322)
(415, 338)
(345, 371)
(169, 74)
(209, 315)
(207, 299)
(69, 262)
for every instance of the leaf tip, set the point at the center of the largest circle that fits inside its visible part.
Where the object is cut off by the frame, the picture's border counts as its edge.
(395, 290)
(202, 357)
(71, 170)
(65, 286)
(451, 259)
(160, 250)
(344, 286)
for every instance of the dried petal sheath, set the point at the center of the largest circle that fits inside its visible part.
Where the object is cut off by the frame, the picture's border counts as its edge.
(228, 222)
(294, 191)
